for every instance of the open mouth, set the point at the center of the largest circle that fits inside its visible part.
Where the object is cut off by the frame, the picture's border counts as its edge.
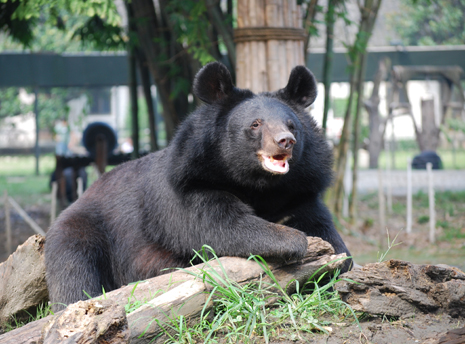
(276, 164)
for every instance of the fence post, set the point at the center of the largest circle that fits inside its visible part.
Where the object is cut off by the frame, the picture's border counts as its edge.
(26, 217)
(409, 196)
(432, 213)
(80, 187)
(347, 187)
(382, 214)
(7, 223)
(388, 149)
(53, 211)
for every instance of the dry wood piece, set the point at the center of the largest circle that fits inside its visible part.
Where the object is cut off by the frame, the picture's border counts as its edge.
(398, 288)
(22, 279)
(93, 321)
(167, 296)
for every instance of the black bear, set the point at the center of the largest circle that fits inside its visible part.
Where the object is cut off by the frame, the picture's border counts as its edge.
(243, 174)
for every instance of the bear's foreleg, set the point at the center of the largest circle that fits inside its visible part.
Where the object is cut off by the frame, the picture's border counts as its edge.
(222, 221)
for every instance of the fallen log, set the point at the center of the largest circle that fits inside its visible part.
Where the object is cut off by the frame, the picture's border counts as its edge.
(165, 297)
(22, 280)
(398, 288)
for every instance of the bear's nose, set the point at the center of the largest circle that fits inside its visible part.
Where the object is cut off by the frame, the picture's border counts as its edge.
(285, 140)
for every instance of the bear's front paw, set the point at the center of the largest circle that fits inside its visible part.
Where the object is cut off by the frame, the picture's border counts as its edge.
(294, 246)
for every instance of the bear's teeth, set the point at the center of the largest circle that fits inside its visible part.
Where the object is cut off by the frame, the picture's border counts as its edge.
(276, 166)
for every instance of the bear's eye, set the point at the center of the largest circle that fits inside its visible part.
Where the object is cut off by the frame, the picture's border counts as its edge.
(290, 125)
(256, 124)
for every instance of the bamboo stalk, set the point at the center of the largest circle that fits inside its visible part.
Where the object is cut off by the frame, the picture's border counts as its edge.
(273, 64)
(255, 81)
(242, 16)
(263, 77)
(286, 13)
(260, 13)
(283, 73)
(290, 53)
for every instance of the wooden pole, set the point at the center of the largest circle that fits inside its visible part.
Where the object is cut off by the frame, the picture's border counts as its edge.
(53, 211)
(36, 111)
(382, 215)
(347, 187)
(80, 187)
(432, 213)
(7, 224)
(388, 148)
(26, 217)
(409, 196)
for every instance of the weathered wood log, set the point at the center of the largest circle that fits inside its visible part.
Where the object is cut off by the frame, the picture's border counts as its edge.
(22, 279)
(398, 288)
(93, 321)
(178, 293)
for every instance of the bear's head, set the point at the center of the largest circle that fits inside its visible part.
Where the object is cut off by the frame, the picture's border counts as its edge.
(249, 139)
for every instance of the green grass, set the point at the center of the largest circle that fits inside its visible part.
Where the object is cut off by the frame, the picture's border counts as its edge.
(25, 165)
(40, 312)
(258, 311)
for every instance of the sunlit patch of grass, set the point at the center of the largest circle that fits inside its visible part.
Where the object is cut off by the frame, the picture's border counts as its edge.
(259, 311)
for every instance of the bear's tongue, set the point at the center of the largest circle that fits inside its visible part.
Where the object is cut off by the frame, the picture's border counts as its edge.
(278, 163)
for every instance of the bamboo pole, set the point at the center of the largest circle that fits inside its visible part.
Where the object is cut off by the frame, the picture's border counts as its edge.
(432, 212)
(8, 245)
(26, 217)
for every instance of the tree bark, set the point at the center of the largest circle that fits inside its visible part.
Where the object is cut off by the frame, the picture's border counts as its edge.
(22, 282)
(377, 125)
(428, 137)
(356, 140)
(145, 76)
(328, 62)
(133, 83)
(309, 22)
(398, 288)
(369, 12)
(168, 296)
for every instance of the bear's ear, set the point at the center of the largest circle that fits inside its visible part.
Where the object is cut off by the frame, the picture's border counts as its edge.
(213, 82)
(301, 88)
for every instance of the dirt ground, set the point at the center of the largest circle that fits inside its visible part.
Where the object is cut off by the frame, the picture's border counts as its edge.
(423, 328)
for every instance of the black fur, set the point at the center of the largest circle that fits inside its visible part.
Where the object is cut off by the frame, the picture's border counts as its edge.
(207, 187)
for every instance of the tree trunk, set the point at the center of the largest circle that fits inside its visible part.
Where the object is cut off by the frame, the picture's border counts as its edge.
(428, 138)
(166, 297)
(309, 23)
(355, 142)
(369, 12)
(270, 40)
(154, 39)
(328, 62)
(377, 125)
(145, 76)
(133, 83)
